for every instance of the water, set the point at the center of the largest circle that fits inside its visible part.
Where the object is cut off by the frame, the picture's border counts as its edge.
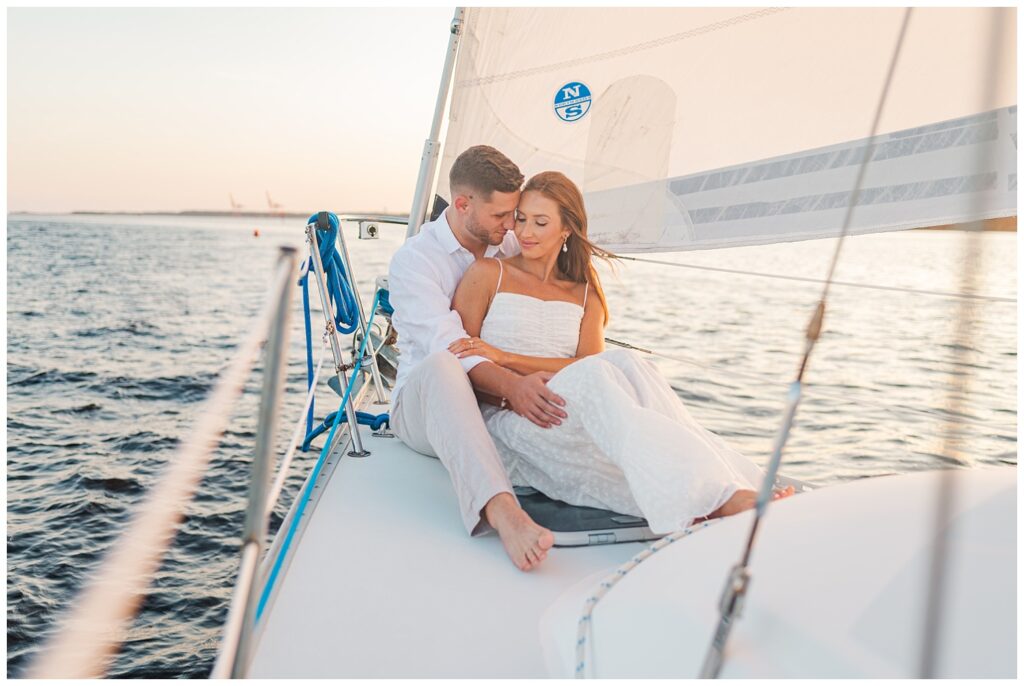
(118, 327)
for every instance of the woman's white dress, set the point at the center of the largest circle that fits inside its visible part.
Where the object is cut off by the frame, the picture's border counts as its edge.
(628, 445)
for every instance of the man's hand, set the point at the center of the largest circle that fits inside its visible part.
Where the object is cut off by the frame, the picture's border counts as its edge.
(530, 397)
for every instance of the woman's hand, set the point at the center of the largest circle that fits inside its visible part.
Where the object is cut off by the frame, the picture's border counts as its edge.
(464, 347)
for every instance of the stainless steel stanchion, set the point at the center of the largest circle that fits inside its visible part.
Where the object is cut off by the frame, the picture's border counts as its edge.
(332, 335)
(378, 384)
(255, 517)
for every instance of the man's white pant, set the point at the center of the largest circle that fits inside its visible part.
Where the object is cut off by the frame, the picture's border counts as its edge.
(436, 413)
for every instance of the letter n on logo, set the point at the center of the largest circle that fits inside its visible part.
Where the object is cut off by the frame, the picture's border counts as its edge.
(571, 92)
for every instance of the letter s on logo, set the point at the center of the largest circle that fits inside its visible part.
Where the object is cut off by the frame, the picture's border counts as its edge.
(574, 111)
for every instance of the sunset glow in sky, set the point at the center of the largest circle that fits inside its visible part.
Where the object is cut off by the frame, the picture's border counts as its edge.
(174, 109)
(129, 109)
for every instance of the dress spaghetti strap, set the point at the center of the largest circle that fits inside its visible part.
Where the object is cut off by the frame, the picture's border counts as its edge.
(585, 291)
(501, 273)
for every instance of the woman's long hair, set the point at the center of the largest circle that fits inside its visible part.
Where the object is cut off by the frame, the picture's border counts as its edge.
(576, 262)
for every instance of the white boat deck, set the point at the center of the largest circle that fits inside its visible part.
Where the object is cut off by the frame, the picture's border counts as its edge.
(839, 589)
(384, 581)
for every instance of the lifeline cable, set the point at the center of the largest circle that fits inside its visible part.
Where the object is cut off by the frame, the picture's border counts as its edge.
(293, 444)
(739, 576)
(314, 474)
(807, 279)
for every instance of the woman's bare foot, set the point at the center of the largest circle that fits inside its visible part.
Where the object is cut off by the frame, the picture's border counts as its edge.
(783, 492)
(744, 499)
(526, 542)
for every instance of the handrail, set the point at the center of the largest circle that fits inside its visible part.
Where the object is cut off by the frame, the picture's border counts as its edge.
(253, 583)
(237, 639)
(248, 567)
(92, 630)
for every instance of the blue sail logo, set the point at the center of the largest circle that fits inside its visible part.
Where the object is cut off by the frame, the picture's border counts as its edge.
(572, 101)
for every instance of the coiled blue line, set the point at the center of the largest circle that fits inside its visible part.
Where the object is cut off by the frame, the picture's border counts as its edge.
(272, 577)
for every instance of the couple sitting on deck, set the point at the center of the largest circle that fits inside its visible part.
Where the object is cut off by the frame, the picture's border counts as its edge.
(498, 296)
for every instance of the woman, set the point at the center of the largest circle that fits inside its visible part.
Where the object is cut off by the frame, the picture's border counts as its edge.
(628, 443)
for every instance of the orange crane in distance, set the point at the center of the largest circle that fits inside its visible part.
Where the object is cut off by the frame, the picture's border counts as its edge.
(275, 208)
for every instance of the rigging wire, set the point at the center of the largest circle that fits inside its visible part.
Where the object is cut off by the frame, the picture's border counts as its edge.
(739, 576)
(293, 443)
(807, 279)
(817, 390)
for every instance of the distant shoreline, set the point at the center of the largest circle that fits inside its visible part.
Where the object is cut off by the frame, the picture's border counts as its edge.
(1001, 224)
(199, 213)
(225, 213)
(380, 216)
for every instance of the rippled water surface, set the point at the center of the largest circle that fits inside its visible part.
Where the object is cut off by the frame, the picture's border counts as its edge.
(118, 326)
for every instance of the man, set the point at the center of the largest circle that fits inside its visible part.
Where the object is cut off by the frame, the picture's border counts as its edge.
(434, 410)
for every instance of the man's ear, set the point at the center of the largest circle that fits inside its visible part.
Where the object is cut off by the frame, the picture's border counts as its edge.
(461, 202)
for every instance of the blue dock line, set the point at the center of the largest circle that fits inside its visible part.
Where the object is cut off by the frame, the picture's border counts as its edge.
(293, 527)
(374, 421)
(339, 293)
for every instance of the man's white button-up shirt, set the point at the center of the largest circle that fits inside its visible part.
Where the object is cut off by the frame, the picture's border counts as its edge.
(422, 279)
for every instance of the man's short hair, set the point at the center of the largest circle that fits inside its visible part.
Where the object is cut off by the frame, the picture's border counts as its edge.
(485, 170)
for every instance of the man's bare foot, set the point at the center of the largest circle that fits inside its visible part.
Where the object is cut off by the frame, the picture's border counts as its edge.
(744, 499)
(526, 542)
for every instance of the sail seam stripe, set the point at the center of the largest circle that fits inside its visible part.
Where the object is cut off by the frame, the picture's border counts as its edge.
(647, 45)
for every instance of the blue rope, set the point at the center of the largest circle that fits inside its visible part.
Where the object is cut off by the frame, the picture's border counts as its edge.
(304, 498)
(385, 303)
(374, 421)
(346, 314)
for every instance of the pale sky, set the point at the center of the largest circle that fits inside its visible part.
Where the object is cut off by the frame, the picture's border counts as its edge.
(173, 109)
(127, 109)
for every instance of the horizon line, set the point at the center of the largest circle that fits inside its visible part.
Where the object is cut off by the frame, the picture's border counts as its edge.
(212, 213)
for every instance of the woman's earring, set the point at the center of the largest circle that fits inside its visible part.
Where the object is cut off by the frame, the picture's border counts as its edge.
(565, 246)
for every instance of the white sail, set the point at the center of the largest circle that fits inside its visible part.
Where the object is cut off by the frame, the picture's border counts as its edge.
(696, 128)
